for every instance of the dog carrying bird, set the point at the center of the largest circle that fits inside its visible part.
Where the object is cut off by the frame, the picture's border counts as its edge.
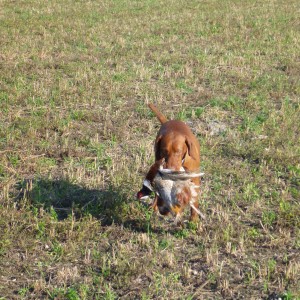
(174, 176)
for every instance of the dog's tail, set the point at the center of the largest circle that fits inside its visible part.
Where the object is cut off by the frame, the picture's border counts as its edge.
(162, 119)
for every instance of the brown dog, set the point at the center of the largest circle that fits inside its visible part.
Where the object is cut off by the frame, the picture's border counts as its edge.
(175, 147)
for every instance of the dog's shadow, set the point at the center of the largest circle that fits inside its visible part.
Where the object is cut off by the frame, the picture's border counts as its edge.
(64, 198)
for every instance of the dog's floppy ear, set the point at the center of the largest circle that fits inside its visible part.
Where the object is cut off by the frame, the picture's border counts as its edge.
(158, 155)
(192, 150)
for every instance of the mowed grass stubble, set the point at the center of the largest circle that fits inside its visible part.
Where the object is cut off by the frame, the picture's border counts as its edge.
(76, 138)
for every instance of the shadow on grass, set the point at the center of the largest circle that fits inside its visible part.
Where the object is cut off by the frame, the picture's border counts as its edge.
(62, 198)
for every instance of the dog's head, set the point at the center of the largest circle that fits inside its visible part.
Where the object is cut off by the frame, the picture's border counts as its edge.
(174, 149)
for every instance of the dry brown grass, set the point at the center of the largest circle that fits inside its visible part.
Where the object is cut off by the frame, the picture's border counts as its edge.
(76, 139)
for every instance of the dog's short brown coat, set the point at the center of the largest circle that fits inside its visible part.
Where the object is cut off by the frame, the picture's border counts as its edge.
(175, 147)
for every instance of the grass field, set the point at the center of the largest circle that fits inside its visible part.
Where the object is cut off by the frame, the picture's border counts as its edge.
(76, 139)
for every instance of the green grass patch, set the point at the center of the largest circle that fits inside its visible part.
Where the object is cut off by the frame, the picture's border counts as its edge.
(76, 140)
